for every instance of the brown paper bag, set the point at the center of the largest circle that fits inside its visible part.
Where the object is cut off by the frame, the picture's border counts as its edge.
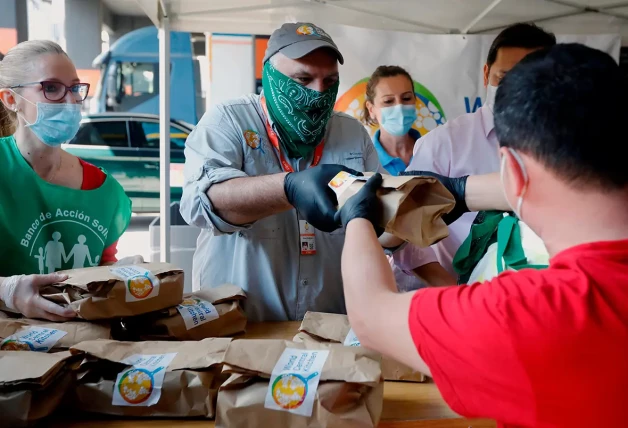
(75, 332)
(413, 207)
(193, 319)
(101, 293)
(333, 328)
(32, 385)
(189, 387)
(350, 392)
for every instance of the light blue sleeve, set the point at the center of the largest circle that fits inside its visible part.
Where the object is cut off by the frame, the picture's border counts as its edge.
(213, 154)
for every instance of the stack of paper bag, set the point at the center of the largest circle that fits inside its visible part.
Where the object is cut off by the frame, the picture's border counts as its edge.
(23, 334)
(334, 328)
(413, 206)
(32, 385)
(213, 312)
(349, 390)
(149, 379)
(106, 292)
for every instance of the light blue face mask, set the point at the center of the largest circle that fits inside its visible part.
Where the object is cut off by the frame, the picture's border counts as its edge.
(397, 120)
(55, 123)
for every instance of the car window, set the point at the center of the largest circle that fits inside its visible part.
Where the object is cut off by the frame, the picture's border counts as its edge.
(139, 78)
(146, 136)
(107, 133)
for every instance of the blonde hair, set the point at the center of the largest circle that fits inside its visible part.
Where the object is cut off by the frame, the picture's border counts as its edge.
(13, 67)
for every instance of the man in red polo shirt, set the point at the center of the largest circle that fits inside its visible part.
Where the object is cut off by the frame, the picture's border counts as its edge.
(534, 348)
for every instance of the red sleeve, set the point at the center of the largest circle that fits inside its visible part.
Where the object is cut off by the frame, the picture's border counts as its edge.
(93, 178)
(109, 255)
(462, 334)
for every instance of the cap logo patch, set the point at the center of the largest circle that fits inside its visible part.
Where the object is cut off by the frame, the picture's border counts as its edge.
(311, 30)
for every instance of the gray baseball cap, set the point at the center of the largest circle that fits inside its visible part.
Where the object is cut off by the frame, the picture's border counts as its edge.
(296, 40)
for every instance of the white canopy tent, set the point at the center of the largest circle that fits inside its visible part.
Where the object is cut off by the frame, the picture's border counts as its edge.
(418, 16)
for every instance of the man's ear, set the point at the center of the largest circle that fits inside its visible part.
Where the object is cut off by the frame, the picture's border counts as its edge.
(8, 99)
(487, 69)
(514, 174)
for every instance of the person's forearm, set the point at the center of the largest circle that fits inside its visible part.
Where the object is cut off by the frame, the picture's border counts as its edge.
(484, 192)
(245, 200)
(434, 275)
(378, 314)
(365, 269)
(388, 240)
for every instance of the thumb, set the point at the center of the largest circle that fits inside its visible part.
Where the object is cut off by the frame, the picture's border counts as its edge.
(50, 278)
(374, 183)
(351, 171)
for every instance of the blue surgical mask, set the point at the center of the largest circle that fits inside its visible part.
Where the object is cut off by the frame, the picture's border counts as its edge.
(55, 123)
(397, 120)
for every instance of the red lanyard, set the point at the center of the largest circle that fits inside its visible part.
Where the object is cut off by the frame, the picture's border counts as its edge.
(274, 140)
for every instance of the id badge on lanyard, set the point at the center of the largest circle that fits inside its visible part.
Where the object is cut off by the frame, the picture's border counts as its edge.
(307, 238)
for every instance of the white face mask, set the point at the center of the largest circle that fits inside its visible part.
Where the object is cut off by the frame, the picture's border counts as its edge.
(517, 210)
(491, 91)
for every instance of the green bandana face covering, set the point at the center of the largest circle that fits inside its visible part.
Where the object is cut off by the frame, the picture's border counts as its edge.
(300, 114)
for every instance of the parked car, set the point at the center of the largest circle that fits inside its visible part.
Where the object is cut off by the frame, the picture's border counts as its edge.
(126, 145)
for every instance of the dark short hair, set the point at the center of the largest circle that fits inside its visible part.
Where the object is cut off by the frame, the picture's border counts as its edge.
(521, 35)
(566, 107)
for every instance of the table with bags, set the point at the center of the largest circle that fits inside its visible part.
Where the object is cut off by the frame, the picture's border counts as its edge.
(141, 353)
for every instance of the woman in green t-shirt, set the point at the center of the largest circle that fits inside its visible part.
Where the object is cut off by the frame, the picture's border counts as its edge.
(57, 211)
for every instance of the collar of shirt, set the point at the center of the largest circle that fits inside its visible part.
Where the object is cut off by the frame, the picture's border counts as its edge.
(390, 163)
(487, 120)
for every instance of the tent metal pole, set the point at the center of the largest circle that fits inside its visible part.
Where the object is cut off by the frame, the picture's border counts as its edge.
(390, 17)
(547, 18)
(480, 16)
(164, 135)
(241, 9)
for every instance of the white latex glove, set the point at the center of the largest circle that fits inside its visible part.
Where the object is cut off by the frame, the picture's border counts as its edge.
(131, 260)
(21, 293)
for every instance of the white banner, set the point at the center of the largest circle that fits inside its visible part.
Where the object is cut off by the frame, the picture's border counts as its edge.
(447, 69)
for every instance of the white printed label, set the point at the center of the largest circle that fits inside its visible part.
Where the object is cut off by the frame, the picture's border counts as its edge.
(37, 339)
(140, 283)
(140, 384)
(294, 380)
(351, 339)
(341, 182)
(196, 312)
(307, 238)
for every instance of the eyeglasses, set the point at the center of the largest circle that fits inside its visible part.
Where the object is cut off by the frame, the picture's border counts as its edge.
(56, 91)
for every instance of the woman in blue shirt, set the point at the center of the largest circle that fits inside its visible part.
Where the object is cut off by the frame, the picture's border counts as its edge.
(391, 105)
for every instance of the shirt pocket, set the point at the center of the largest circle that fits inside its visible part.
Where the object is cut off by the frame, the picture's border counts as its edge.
(353, 160)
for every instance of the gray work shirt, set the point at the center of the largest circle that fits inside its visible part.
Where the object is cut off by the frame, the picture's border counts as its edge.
(265, 258)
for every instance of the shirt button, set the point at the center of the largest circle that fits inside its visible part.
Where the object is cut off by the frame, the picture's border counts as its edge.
(304, 282)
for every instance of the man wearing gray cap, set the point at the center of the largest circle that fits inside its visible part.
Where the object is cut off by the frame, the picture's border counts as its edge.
(256, 175)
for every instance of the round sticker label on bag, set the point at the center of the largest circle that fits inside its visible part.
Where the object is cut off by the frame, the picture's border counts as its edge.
(140, 283)
(294, 380)
(140, 384)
